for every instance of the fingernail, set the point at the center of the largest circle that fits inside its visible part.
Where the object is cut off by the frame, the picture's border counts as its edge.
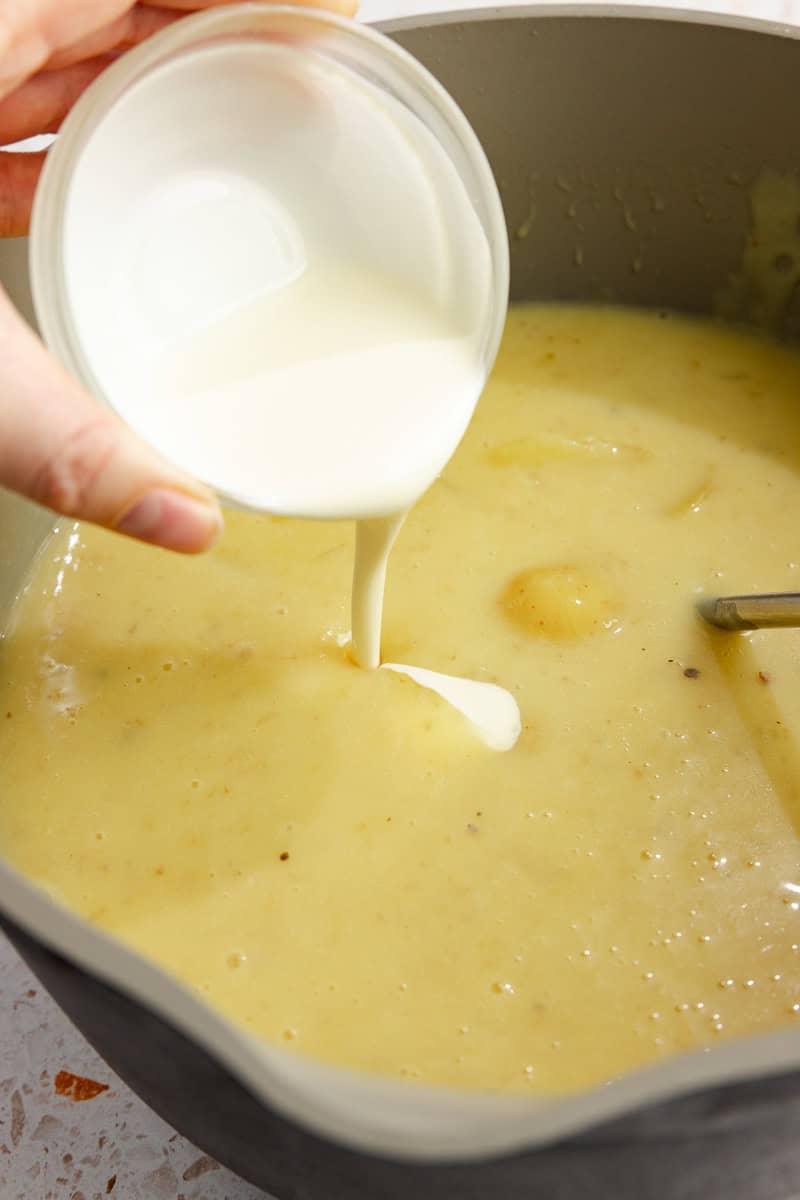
(172, 520)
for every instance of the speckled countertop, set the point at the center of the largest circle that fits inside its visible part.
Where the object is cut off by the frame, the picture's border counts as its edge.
(55, 1146)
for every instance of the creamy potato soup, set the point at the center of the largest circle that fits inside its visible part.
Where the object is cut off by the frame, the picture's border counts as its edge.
(332, 857)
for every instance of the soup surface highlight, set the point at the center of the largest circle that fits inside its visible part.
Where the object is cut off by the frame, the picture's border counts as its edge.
(331, 856)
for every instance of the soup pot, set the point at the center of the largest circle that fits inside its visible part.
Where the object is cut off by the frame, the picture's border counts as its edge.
(625, 142)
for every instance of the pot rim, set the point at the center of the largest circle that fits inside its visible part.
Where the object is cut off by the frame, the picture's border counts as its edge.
(593, 8)
(395, 1119)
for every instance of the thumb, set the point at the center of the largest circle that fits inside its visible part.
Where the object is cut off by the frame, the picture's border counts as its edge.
(63, 449)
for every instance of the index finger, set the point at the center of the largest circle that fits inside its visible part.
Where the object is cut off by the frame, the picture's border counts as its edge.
(148, 17)
(346, 8)
(35, 31)
(32, 32)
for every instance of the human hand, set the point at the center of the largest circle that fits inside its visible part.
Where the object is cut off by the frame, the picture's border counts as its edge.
(58, 445)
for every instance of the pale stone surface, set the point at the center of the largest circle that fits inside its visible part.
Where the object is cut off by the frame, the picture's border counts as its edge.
(54, 1148)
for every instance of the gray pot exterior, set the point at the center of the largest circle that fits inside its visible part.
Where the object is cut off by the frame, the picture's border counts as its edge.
(624, 172)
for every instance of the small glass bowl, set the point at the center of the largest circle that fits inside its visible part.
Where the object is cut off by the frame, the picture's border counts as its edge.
(381, 66)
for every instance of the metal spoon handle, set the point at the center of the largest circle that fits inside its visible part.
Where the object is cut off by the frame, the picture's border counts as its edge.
(774, 610)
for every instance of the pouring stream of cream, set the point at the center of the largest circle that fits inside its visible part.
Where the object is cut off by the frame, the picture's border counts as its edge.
(492, 711)
(320, 360)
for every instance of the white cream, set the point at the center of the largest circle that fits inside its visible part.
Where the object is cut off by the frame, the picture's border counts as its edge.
(291, 297)
(491, 710)
(291, 269)
(374, 541)
(340, 396)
